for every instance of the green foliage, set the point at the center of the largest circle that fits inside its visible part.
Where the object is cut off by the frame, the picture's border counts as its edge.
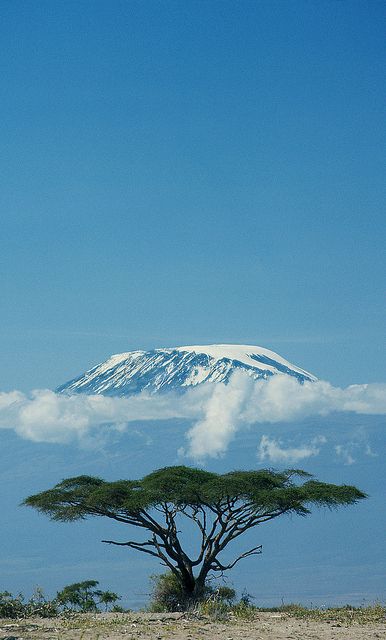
(16, 607)
(11, 606)
(225, 594)
(79, 497)
(85, 597)
(109, 598)
(167, 594)
(222, 611)
(182, 485)
(40, 606)
(243, 610)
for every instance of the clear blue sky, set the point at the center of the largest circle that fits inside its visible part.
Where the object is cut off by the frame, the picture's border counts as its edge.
(191, 172)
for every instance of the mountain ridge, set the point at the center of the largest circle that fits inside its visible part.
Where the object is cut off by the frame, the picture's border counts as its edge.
(176, 368)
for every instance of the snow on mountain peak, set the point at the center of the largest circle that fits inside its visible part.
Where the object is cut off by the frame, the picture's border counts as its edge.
(180, 367)
(242, 353)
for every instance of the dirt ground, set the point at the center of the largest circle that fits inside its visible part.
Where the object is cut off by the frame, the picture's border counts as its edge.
(134, 626)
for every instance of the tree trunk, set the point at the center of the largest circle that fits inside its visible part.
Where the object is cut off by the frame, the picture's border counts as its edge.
(194, 588)
(188, 584)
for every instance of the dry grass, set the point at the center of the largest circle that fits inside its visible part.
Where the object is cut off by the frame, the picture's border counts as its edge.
(288, 622)
(345, 615)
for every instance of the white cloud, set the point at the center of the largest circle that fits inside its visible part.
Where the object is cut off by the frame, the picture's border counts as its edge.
(221, 418)
(217, 411)
(357, 445)
(274, 451)
(345, 452)
(279, 399)
(45, 416)
(369, 452)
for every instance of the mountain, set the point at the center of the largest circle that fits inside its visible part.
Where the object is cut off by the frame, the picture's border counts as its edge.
(178, 368)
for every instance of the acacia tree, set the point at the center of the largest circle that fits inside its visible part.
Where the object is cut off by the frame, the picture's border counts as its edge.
(222, 508)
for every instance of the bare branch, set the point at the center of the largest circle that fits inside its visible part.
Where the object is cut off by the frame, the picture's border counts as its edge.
(138, 546)
(218, 566)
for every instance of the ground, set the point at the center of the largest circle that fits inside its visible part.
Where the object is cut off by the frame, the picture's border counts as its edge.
(146, 626)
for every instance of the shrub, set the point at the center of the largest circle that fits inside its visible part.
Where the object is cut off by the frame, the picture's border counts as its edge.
(81, 597)
(168, 595)
(38, 605)
(85, 597)
(15, 606)
(11, 606)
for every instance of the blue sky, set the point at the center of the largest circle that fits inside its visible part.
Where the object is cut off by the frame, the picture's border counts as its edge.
(190, 173)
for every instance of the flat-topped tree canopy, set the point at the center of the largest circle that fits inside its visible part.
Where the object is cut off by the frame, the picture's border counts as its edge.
(222, 506)
(81, 496)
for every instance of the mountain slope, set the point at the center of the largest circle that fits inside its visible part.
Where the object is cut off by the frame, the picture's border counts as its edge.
(178, 368)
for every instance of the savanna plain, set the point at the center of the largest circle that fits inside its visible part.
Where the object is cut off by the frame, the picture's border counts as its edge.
(291, 623)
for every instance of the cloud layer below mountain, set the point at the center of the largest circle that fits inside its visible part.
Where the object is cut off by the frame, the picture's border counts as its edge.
(217, 412)
(280, 399)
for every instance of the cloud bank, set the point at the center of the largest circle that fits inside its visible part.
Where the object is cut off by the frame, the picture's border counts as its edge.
(279, 399)
(217, 412)
(46, 416)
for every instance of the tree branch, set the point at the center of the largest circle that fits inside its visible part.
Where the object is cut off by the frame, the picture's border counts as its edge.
(138, 546)
(218, 566)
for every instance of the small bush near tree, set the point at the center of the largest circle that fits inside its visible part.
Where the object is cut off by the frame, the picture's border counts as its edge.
(85, 597)
(82, 597)
(17, 607)
(168, 595)
(11, 606)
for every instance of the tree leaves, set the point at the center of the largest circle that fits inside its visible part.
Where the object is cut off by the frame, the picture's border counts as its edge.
(76, 498)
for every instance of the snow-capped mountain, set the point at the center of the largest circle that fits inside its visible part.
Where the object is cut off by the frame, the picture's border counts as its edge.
(180, 367)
